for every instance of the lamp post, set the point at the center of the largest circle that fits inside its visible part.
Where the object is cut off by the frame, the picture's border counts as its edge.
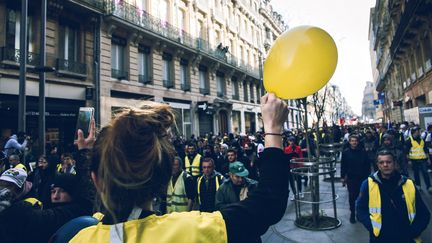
(23, 68)
(42, 69)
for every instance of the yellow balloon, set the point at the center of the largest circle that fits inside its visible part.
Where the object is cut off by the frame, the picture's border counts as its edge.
(300, 62)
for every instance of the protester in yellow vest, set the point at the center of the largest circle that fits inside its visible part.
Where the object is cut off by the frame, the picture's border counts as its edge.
(181, 189)
(417, 154)
(208, 185)
(14, 161)
(193, 161)
(128, 179)
(390, 206)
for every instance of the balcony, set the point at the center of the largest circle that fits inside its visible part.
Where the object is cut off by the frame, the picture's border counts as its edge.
(11, 56)
(405, 20)
(145, 79)
(205, 91)
(119, 74)
(168, 84)
(185, 87)
(71, 68)
(146, 21)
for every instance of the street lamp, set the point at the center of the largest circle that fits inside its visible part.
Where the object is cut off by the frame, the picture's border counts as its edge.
(42, 69)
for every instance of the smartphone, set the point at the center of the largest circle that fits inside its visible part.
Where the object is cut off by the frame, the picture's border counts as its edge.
(85, 116)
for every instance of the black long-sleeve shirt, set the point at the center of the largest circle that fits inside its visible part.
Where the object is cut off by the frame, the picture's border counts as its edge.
(247, 220)
(355, 164)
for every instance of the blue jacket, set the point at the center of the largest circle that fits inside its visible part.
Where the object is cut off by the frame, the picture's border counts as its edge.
(396, 226)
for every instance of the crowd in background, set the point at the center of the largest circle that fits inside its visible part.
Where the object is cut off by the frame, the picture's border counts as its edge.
(211, 170)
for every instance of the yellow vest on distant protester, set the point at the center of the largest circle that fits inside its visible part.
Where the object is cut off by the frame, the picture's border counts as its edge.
(217, 178)
(194, 168)
(417, 150)
(21, 166)
(375, 204)
(177, 200)
(174, 227)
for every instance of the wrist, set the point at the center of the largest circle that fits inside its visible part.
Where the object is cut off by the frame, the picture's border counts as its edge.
(273, 130)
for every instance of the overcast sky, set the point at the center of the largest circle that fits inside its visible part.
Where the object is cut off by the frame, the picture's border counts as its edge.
(347, 21)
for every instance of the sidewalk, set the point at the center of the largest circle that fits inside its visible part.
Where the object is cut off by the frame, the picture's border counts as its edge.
(286, 231)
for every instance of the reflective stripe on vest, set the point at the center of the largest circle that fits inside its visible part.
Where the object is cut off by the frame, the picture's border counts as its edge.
(194, 168)
(176, 196)
(417, 150)
(199, 186)
(408, 189)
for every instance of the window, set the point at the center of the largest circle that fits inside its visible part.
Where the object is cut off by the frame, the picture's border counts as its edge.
(167, 68)
(141, 4)
(144, 65)
(235, 88)
(258, 94)
(427, 49)
(13, 31)
(183, 122)
(68, 42)
(184, 75)
(118, 52)
(236, 122)
(203, 81)
(181, 20)
(220, 85)
(245, 92)
(251, 91)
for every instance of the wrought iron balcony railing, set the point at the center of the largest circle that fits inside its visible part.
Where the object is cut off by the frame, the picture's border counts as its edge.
(145, 79)
(119, 74)
(143, 19)
(72, 67)
(13, 56)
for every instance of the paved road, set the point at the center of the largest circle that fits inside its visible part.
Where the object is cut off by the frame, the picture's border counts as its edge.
(286, 231)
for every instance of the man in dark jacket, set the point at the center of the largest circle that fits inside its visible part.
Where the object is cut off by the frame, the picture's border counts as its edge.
(236, 188)
(390, 206)
(355, 167)
(207, 186)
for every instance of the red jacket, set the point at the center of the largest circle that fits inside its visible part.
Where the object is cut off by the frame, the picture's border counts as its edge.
(297, 153)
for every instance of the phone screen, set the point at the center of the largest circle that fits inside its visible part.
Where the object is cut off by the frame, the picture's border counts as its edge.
(84, 118)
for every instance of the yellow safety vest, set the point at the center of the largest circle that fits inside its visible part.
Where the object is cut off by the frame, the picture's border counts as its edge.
(417, 150)
(199, 186)
(21, 166)
(201, 227)
(408, 189)
(194, 168)
(177, 200)
(34, 202)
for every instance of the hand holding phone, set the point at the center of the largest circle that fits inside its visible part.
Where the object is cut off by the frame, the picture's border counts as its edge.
(85, 116)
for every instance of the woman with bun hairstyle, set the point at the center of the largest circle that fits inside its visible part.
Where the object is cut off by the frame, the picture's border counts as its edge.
(132, 165)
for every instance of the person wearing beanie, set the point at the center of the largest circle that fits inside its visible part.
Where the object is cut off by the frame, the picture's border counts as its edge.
(64, 188)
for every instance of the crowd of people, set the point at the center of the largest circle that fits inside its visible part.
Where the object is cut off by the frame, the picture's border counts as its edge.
(138, 174)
